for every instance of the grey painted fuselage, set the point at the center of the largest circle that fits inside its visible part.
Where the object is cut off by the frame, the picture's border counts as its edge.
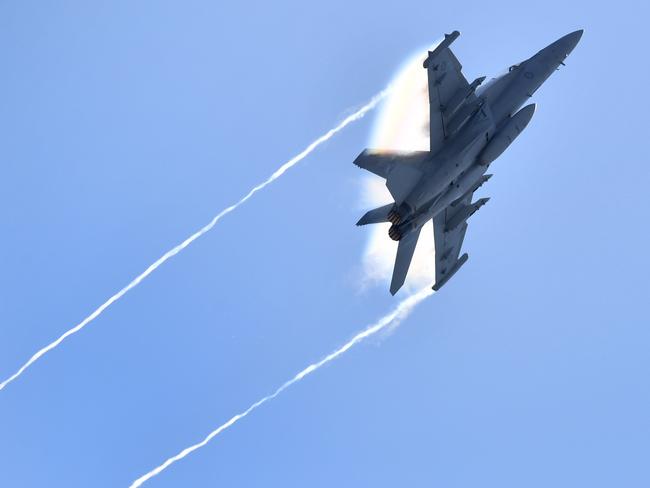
(471, 126)
(498, 101)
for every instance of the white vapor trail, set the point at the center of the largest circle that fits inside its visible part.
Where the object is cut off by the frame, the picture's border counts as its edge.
(172, 252)
(393, 318)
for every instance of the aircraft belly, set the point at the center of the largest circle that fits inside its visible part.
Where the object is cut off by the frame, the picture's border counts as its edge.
(427, 189)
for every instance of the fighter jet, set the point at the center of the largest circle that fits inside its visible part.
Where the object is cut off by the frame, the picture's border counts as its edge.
(471, 125)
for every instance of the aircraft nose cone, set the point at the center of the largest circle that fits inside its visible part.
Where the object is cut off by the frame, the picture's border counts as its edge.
(564, 45)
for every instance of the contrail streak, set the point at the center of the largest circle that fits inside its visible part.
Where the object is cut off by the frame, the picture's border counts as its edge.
(172, 252)
(393, 318)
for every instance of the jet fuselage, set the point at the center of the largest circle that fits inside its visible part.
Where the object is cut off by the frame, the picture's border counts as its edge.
(459, 166)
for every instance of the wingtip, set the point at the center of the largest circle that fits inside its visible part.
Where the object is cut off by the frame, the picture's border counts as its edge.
(395, 286)
(361, 155)
(459, 263)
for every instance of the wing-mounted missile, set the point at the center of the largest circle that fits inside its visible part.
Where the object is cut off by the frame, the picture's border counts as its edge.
(464, 213)
(446, 42)
(467, 183)
(508, 133)
(463, 114)
(472, 189)
(474, 85)
(457, 100)
(451, 272)
(479, 183)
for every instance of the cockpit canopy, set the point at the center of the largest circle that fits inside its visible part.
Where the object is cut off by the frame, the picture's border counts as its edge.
(493, 88)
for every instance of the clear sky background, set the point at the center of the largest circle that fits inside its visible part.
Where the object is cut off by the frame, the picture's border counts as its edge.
(125, 126)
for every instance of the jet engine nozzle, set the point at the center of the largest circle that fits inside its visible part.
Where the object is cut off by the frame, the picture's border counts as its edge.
(394, 233)
(394, 218)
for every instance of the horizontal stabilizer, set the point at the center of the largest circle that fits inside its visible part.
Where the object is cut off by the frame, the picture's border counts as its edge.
(377, 215)
(405, 251)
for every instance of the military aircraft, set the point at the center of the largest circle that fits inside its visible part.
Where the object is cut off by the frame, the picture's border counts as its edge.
(471, 125)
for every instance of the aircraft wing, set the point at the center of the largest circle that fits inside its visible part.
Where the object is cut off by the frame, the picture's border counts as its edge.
(448, 90)
(448, 242)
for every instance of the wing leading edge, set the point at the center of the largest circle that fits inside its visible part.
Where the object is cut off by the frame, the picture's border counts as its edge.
(449, 91)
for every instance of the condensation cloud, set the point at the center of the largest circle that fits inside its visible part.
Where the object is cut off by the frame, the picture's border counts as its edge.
(401, 125)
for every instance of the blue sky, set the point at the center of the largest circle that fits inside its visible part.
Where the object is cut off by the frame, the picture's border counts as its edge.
(126, 126)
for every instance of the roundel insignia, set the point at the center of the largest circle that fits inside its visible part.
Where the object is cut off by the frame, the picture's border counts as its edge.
(529, 75)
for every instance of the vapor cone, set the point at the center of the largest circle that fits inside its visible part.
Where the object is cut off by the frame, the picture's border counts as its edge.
(402, 124)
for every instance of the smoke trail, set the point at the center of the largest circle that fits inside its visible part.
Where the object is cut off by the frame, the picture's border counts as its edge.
(172, 252)
(393, 318)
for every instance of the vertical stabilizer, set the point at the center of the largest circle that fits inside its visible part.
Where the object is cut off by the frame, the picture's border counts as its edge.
(405, 251)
